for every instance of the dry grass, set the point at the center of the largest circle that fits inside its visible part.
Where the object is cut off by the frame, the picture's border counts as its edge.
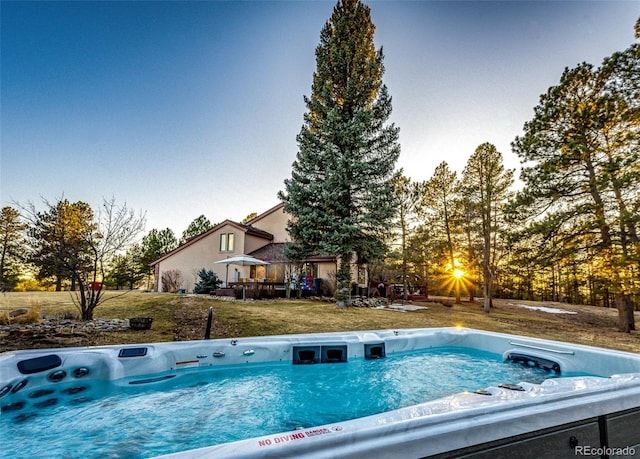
(591, 326)
(181, 317)
(32, 314)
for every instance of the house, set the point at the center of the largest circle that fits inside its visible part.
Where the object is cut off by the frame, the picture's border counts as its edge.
(264, 237)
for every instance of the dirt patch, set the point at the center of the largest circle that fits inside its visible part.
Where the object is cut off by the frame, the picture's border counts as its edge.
(189, 323)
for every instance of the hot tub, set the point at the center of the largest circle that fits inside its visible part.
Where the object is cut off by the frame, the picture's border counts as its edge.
(563, 416)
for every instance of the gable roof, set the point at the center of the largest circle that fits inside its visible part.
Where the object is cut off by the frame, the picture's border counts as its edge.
(275, 208)
(274, 253)
(247, 229)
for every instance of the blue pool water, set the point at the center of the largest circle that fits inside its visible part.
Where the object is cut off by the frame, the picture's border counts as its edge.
(224, 404)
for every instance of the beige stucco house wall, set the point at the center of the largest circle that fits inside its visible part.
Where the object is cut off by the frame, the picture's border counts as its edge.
(205, 250)
(273, 221)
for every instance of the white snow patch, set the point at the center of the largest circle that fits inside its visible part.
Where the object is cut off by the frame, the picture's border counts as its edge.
(544, 309)
(406, 307)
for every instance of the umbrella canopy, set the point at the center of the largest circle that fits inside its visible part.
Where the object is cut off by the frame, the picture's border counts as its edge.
(243, 260)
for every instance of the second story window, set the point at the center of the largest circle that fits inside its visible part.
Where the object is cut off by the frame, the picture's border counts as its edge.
(226, 242)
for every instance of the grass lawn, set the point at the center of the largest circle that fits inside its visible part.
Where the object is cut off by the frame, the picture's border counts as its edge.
(182, 317)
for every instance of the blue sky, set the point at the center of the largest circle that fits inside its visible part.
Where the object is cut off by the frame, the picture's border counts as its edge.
(189, 108)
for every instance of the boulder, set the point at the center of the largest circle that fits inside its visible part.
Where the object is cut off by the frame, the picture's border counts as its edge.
(18, 312)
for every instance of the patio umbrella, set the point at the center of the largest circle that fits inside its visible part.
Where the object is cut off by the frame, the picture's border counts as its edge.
(242, 260)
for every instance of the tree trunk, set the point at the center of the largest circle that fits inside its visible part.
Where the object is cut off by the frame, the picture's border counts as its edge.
(343, 291)
(471, 287)
(404, 262)
(626, 320)
(487, 275)
(84, 310)
(599, 210)
(4, 252)
(487, 295)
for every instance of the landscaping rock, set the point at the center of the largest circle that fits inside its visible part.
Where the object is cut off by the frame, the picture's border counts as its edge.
(78, 326)
(368, 302)
(18, 312)
(56, 333)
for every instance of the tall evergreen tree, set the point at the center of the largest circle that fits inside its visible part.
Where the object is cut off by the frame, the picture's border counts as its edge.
(125, 270)
(196, 228)
(486, 186)
(409, 204)
(11, 238)
(154, 245)
(340, 191)
(582, 150)
(59, 240)
(441, 193)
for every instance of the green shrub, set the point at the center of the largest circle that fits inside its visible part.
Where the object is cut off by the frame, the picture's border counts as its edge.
(208, 283)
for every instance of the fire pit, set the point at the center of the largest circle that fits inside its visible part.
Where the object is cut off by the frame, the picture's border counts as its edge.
(140, 323)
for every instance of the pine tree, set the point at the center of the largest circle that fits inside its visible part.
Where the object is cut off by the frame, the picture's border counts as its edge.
(486, 186)
(196, 228)
(11, 240)
(441, 194)
(340, 191)
(582, 174)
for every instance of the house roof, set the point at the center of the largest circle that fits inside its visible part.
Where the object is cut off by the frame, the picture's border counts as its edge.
(275, 208)
(274, 253)
(247, 229)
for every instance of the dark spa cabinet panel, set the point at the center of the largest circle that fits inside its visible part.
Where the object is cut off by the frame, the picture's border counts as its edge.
(557, 443)
(624, 431)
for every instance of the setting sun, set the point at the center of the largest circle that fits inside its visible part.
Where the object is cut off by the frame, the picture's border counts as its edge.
(458, 273)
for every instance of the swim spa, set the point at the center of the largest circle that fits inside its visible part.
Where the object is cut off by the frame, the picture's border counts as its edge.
(570, 396)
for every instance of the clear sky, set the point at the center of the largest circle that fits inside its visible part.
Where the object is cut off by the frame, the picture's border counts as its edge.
(188, 108)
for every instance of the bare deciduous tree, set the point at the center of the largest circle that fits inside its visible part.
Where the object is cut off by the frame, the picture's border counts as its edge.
(71, 238)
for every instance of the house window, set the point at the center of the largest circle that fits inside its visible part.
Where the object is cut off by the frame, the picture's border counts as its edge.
(310, 269)
(226, 242)
(362, 274)
(257, 272)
